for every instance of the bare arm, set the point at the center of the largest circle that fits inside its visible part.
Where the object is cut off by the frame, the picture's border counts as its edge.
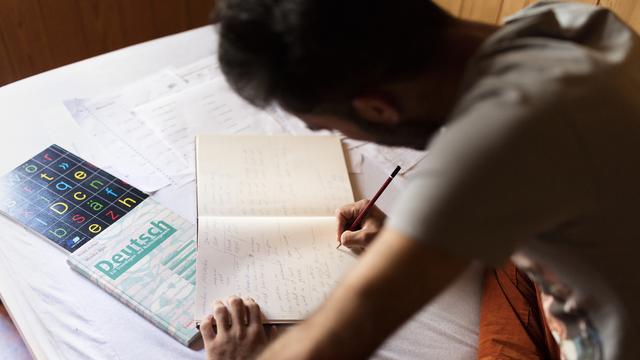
(395, 278)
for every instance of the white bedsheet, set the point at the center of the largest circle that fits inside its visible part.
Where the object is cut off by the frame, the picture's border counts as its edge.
(83, 322)
(64, 316)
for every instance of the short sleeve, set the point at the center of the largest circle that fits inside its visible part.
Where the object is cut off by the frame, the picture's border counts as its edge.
(505, 169)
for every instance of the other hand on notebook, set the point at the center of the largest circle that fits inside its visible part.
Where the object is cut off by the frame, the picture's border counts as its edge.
(359, 239)
(234, 331)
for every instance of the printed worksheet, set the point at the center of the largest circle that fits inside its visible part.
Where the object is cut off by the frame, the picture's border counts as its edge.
(210, 107)
(144, 159)
(200, 71)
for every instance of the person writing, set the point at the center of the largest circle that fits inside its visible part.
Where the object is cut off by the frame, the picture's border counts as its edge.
(534, 143)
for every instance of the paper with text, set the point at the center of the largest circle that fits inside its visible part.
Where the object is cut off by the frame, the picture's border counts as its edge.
(266, 224)
(387, 157)
(150, 88)
(200, 71)
(288, 265)
(144, 159)
(257, 175)
(209, 107)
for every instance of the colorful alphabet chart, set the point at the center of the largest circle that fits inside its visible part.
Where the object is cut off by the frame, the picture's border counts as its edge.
(65, 198)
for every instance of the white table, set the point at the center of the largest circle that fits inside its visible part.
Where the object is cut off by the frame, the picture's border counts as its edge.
(63, 316)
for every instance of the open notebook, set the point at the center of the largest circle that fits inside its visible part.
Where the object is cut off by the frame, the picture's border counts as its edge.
(266, 225)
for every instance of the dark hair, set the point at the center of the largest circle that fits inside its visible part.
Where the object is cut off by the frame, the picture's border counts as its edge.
(305, 53)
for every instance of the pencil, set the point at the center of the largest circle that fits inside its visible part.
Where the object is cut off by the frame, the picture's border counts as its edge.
(356, 223)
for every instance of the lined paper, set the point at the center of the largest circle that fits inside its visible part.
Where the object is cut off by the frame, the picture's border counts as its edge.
(284, 175)
(266, 225)
(288, 265)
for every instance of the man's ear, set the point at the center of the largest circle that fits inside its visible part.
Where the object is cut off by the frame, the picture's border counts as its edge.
(376, 109)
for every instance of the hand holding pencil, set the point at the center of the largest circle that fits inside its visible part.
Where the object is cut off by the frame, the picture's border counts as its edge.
(360, 222)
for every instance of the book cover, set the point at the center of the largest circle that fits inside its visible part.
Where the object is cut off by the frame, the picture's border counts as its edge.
(134, 248)
(147, 261)
(64, 198)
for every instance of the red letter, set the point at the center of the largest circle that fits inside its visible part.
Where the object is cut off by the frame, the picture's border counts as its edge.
(78, 219)
(112, 215)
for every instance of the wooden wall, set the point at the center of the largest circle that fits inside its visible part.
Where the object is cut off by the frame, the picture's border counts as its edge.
(493, 11)
(37, 35)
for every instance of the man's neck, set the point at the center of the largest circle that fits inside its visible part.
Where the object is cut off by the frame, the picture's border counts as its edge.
(462, 41)
(464, 38)
(431, 96)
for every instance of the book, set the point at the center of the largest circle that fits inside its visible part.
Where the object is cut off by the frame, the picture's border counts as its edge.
(116, 235)
(266, 223)
(65, 198)
(147, 261)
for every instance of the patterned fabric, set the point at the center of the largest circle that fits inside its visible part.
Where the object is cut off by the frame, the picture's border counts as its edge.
(569, 324)
(512, 323)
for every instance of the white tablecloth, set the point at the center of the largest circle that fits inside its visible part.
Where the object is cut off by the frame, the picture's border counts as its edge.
(63, 316)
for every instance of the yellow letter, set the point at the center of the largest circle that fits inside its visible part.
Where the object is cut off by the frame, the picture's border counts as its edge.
(126, 202)
(61, 209)
(95, 228)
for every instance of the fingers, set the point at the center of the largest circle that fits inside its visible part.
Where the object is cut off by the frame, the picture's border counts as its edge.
(358, 240)
(254, 315)
(221, 316)
(352, 239)
(240, 334)
(238, 316)
(347, 214)
(206, 328)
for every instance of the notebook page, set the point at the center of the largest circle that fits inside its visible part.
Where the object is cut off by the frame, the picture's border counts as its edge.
(278, 175)
(288, 265)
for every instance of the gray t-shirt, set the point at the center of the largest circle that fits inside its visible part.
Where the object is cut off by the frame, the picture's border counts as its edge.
(540, 162)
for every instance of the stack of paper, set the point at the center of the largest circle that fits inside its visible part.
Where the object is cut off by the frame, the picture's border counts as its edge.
(150, 126)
